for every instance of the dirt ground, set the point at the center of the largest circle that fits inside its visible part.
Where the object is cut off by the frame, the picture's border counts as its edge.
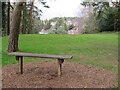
(44, 75)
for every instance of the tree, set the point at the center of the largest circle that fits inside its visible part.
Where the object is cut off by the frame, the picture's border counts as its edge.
(8, 18)
(59, 23)
(65, 27)
(29, 14)
(3, 18)
(105, 15)
(117, 16)
(14, 29)
(38, 25)
(108, 23)
(47, 25)
(98, 8)
(58, 31)
(0, 18)
(34, 10)
(24, 19)
(90, 25)
(30, 17)
(71, 27)
(15, 26)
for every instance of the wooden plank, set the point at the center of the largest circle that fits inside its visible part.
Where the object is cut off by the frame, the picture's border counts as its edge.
(40, 55)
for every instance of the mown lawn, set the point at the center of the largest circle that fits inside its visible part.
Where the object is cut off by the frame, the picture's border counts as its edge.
(95, 49)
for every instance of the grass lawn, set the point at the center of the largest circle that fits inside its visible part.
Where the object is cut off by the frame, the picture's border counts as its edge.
(95, 49)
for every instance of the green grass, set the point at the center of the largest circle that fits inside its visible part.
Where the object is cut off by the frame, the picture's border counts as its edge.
(96, 49)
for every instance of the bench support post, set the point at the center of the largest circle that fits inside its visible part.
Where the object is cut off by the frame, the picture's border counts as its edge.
(20, 59)
(21, 64)
(60, 61)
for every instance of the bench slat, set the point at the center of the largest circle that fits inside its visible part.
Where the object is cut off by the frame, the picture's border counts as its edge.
(40, 55)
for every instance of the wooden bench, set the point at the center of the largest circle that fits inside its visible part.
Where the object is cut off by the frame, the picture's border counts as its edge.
(19, 57)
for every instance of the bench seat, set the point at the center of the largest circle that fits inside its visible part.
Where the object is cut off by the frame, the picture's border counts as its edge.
(40, 55)
(19, 57)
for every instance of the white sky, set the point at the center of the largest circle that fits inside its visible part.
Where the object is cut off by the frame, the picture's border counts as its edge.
(60, 8)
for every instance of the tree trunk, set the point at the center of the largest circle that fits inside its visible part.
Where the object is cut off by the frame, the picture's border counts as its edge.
(14, 29)
(24, 19)
(30, 17)
(0, 19)
(8, 19)
(118, 21)
(3, 19)
(24, 29)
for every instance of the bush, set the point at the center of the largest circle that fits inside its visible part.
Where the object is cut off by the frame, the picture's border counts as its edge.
(89, 31)
(85, 31)
(58, 31)
(47, 26)
(71, 27)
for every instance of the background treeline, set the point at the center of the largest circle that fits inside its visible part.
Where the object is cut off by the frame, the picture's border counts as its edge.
(61, 25)
(104, 16)
(31, 22)
(30, 17)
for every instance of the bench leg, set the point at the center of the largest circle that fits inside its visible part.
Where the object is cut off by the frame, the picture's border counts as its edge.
(60, 61)
(21, 65)
(20, 59)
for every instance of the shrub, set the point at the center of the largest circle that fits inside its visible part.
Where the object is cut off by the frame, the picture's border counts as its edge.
(71, 27)
(58, 31)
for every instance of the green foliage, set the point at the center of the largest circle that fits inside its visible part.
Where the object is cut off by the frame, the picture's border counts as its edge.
(58, 31)
(65, 27)
(85, 31)
(108, 22)
(61, 26)
(30, 14)
(59, 23)
(24, 20)
(63, 18)
(47, 25)
(37, 25)
(24, 14)
(90, 25)
(105, 16)
(71, 27)
(54, 19)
